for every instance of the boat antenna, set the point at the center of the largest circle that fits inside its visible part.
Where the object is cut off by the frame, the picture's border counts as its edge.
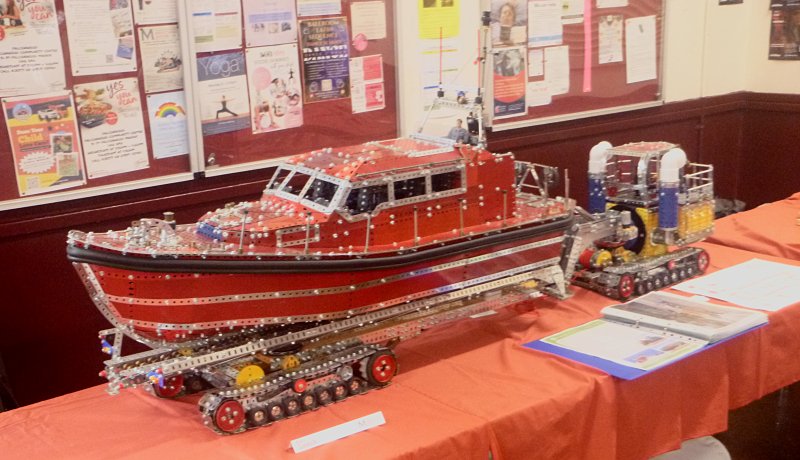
(440, 93)
(483, 51)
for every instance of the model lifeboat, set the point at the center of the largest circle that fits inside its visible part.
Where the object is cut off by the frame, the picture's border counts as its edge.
(336, 233)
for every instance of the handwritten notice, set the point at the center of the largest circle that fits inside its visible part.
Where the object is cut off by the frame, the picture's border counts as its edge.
(556, 69)
(44, 142)
(161, 58)
(30, 51)
(169, 132)
(640, 48)
(273, 76)
(326, 57)
(112, 127)
(100, 36)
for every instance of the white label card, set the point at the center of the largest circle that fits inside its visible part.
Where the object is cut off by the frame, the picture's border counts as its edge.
(337, 432)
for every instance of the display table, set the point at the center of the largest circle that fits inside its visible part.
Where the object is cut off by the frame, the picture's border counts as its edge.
(463, 390)
(771, 228)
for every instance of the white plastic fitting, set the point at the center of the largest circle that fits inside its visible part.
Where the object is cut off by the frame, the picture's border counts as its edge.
(598, 156)
(671, 163)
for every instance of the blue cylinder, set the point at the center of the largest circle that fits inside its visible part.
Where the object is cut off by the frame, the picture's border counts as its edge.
(668, 206)
(597, 193)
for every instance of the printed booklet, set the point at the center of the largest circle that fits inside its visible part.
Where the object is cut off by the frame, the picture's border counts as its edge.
(649, 332)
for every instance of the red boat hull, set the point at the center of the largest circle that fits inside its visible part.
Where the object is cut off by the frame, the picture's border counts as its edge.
(183, 306)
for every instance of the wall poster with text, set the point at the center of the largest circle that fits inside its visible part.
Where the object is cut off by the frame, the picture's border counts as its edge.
(326, 59)
(222, 86)
(30, 50)
(509, 82)
(112, 127)
(44, 142)
(273, 74)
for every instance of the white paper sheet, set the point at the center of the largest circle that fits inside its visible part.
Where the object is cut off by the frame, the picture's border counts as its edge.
(572, 12)
(162, 63)
(169, 132)
(757, 283)
(544, 23)
(556, 69)
(535, 63)
(112, 128)
(366, 83)
(100, 37)
(269, 22)
(216, 24)
(640, 48)
(610, 38)
(318, 7)
(369, 19)
(155, 11)
(538, 94)
(611, 3)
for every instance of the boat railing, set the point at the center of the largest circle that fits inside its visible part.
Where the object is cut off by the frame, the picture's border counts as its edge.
(536, 179)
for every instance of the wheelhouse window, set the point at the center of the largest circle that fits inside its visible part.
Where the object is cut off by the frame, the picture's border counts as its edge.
(446, 181)
(321, 192)
(278, 178)
(296, 183)
(409, 188)
(366, 199)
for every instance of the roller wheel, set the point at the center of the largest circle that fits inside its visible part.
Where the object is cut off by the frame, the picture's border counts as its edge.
(381, 368)
(292, 406)
(625, 287)
(275, 411)
(257, 416)
(173, 386)
(324, 395)
(229, 416)
(356, 386)
(702, 262)
(339, 391)
(308, 401)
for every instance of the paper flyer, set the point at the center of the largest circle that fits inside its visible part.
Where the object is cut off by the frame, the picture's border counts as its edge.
(544, 23)
(609, 38)
(509, 82)
(556, 69)
(100, 35)
(611, 3)
(222, 85)
(535, 62)
(318, 7)
(273, 74)
(368, 20)
(326, 58)
(30, 51)
(112, 127)
(169, 131)
(44, 142)
(640, 49)
(509, 22)
(269, 22)
(155, 11)
(572, 12)
(366, 83)
(216, 25)
(162, 63)
(439, 18)
(538, 94)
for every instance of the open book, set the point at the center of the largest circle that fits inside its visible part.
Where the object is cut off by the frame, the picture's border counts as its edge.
(649, 332)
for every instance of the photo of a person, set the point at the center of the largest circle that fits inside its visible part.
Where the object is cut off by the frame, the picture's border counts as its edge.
(224, 101)
(508, 22)
(10, 15)
(508, 63)
(458, 133)
(791, 30)
(62, 143)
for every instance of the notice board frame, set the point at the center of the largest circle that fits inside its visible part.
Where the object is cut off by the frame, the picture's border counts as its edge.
(610, 93)
(383, 123)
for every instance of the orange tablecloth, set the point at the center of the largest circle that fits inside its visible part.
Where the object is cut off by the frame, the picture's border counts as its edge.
(463, 389)
(771, 228)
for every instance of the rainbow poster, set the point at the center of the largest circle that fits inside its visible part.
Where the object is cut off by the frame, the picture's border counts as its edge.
(169, 132)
